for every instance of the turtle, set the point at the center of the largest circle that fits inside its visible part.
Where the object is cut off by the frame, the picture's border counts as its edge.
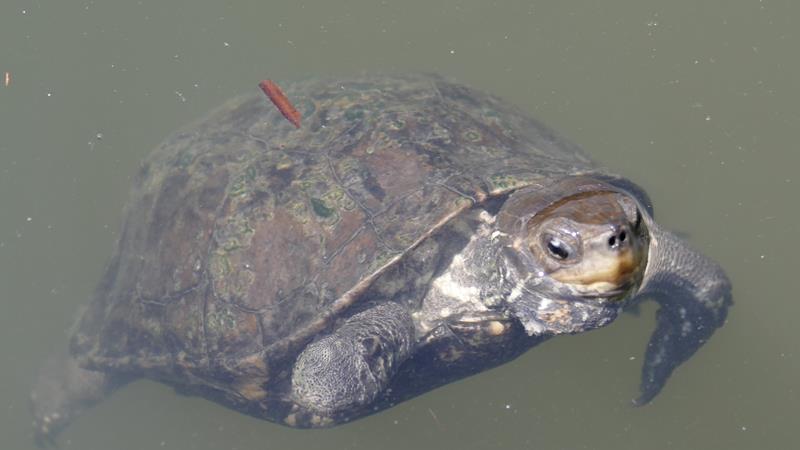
(412, 232)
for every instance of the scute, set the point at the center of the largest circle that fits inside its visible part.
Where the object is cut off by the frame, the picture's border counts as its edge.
(245, 236)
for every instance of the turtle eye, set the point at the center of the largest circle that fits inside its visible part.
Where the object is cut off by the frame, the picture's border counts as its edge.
(557, 248)
(556, 243)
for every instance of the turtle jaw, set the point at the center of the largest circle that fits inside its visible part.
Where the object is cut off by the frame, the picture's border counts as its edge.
(546, 307)
(604, 274)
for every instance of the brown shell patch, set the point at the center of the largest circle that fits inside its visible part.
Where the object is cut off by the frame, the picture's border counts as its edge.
(229, 330)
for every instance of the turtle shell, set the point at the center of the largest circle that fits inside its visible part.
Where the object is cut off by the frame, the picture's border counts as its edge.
(245, 237)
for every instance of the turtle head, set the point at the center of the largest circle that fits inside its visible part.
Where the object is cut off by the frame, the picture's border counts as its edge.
(589, 243)
(575, 250)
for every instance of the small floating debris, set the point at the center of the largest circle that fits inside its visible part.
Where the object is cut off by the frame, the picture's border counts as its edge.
(278, 98)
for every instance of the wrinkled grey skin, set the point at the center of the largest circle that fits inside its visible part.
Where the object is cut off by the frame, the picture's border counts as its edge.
(433, 280)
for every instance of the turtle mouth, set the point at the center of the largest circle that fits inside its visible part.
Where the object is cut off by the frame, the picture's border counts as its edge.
(611, 294)
(605, 276)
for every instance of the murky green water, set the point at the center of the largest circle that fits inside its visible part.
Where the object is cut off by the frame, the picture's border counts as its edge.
(697, 101)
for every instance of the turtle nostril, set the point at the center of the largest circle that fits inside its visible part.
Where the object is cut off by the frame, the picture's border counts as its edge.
(615, 241)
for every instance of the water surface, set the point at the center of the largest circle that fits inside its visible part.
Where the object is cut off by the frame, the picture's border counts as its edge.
(696, 102)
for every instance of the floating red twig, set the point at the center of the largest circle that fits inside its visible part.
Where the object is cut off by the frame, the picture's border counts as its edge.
(280, 101)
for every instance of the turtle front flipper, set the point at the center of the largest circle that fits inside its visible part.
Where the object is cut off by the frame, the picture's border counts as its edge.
(62, 391)
(694, 295)
(347, 369)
